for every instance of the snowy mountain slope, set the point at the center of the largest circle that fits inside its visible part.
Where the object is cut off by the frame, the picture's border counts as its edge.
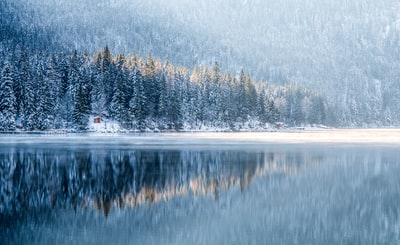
(349, 50)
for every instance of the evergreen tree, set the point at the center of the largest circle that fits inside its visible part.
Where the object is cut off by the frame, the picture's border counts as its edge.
(251, 97)
(74, 75)
(164, 101)
(108, 72)
(261, 107)
(318, 111)
(200, 104)
(242, 107)
(7, 100)
(23, 74)
(272, 112)
(152, 87)
(97, 95)
(137, 104)
(44, 100)
(175, 113)
(231, 102)
(65, 95)
(81, 109)
(53, 76)
(118, 103)
(25, 99)
(297, 113)
(215, 97)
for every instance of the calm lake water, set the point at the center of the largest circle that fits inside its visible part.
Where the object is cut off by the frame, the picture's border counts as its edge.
(172, 190)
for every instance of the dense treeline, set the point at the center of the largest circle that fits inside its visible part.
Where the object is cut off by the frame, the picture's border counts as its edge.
(61, 91)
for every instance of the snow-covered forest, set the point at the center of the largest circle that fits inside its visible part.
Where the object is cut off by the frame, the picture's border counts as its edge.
(59, 91)
(346, 52)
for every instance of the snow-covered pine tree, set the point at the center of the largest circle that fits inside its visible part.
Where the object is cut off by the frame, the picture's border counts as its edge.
(65, 92)
(175, 113)
(261, 107)
(199, 109)
(80, 114)
(298, 115)
(7, 100)
(119, 105)
(215, 98)
(108, 75)
(19, 84)
(152, 87)
(242, 107)
(272, 112)
(97, 95)
(137, 104)
(164, 102)
(45, 100)
(53, 74)
(318, 110)
(27, 96)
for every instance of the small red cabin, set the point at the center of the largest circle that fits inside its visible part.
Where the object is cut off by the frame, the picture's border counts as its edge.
(97, 120)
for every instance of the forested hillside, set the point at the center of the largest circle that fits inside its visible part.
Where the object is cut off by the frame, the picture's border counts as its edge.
(346, 50)
(61, 91)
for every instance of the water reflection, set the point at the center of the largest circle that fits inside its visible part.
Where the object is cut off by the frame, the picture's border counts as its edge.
(265, 195)
(53, 178)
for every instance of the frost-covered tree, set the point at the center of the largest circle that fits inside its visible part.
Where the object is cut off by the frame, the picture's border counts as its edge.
(67, 88)
(80, 114)
(119, 104)
(164, 101)
(7, 100)
(152, 87)
(44, 100)
(97, 95)
(137, 104)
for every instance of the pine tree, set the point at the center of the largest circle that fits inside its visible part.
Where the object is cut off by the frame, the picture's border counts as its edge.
(65, 92)
(164, 102)
(54, 83)
(242, 107)
(199, 109)
(7, 100)
(251, 97)
(298, 115)
(207, 95)
(26, 100)
(23, 74)
(108, 72)
(137, 104)
(118, 103)
(261, 107)
(215, 97)
(152, 87)
(318, 110)
(45, 100)
(97, 95)
(272, 112)
(175, 112)
(74, 74)
(80, 112)
(106, 59)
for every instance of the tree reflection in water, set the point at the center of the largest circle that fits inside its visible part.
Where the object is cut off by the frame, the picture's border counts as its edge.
(54, 178)
(327, 194)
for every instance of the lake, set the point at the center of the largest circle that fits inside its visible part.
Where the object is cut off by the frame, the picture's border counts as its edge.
(333, 187)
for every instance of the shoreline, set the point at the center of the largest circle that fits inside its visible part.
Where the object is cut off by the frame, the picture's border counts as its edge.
(287, 136)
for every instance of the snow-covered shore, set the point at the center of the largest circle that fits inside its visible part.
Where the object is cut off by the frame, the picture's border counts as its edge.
(289, 136)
